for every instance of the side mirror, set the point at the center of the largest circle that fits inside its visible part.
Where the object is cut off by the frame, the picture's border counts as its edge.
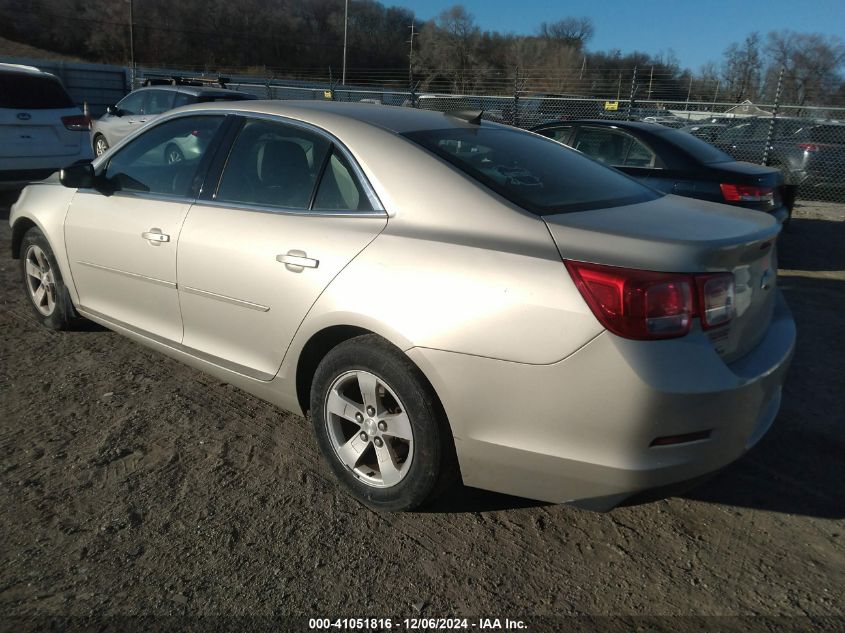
(113, 110)
(78, 176)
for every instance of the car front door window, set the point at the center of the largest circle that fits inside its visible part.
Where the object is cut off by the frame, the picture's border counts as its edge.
(131, 104)
(158, 101)
(165, 159)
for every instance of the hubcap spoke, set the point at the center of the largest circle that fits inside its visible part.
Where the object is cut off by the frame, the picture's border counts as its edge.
(38, 295)
(398, 425)
(369, 390)
(342, 406)
(390, 474)
(42, 261)
(350, 453)
(32, 269)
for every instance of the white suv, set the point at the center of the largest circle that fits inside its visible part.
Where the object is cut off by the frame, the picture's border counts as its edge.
(41, 129)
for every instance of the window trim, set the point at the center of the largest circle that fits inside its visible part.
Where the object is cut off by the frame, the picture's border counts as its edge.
(212, 175)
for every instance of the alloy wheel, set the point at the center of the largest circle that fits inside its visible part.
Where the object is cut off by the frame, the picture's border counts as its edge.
(369, 428)
(40, 282)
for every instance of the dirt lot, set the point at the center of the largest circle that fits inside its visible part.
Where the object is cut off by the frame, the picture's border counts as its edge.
(132, 485)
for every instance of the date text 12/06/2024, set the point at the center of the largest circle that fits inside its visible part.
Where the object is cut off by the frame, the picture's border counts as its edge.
(414, 624)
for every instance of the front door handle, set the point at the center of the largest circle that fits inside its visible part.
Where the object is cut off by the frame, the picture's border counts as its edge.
(295, 261)
(155, 237)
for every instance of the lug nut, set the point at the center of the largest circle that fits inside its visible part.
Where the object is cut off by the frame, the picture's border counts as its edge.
(370, 411)
(359, 417)
(378, 442)
(363, 436)
(382, 426)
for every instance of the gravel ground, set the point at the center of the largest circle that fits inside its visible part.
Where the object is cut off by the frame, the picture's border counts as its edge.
(132, 485)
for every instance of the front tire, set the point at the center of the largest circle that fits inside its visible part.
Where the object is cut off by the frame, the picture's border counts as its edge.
(101, 145)
(42, 279)
(380, 426)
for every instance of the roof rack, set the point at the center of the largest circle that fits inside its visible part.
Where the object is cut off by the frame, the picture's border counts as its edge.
(176, 80)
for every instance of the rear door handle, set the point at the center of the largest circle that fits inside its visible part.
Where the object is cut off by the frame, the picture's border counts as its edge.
(295, 261)
(155, 237)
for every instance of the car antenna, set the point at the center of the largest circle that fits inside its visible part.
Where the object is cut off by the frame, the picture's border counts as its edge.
(472, 117)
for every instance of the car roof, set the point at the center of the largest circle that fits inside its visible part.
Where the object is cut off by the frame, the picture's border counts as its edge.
(195, 90)
(25, 70)
(332, 114)
(645, 126)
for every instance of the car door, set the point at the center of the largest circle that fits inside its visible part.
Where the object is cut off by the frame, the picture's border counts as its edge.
(131, 111)
(290, 211)
(121, 237)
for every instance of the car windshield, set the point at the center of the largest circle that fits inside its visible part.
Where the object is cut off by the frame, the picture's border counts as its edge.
(700, 150)
(538, 174)
(27, 92)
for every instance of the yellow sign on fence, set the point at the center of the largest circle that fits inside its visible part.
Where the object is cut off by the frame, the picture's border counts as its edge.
(611, 105)
(327, 94)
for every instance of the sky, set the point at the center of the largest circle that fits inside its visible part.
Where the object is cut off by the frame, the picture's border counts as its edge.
(697, 31)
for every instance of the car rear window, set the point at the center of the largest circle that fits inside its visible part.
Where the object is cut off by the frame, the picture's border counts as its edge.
(539, 175)
(27, 92)
(700, 150)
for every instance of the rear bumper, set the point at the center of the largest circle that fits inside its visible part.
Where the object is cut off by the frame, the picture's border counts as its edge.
(580, 430)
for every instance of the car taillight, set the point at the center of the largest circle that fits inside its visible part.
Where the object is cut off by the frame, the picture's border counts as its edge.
(77, 122)
(808, 147)
(643, 304)
(746, 193)
(716, 298)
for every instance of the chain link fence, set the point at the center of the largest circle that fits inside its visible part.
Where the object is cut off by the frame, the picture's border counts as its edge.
(807, 143)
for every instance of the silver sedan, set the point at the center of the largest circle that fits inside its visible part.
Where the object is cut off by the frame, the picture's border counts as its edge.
(447, 298)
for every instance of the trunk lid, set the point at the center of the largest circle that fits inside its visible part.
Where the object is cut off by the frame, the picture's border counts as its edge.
(26, 133)
(682, 235)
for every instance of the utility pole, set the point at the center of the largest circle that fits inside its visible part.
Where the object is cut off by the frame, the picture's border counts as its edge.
(131, 45)
(411, 55)
(345, 27)
(650, 79)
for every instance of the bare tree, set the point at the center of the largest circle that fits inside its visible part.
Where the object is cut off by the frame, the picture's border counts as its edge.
(812, 63)
(575, 32)
(742, 69)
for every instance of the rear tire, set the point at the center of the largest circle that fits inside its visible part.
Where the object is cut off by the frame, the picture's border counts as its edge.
(48, 296)
(173, 155)
(380, 426)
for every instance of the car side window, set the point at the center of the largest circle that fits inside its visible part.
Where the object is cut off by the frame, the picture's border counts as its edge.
(560, 134)
(339, 189)
(165, 159)
(640, 156)
(158, 101)
(132, 103)
(182, 98)
(273, 165)
(605, 145)
(615, 148)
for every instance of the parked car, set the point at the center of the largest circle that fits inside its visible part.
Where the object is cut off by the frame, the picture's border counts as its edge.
(445, 297)
(674, 162)
(145, 104)
(41, 128)
(810, 152)
(707, 132)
